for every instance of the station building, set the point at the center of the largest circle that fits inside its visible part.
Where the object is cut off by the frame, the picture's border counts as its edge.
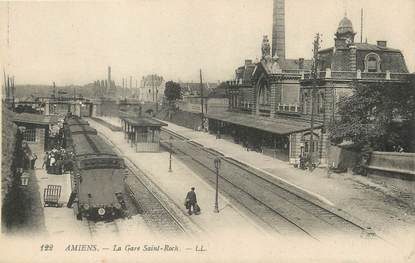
(270, 100)
(36, 130)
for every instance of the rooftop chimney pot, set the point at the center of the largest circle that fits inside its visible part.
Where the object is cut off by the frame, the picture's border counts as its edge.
(248, 62)
(381, 43)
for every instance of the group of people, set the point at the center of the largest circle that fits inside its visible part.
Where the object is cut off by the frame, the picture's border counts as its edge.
(57, 161)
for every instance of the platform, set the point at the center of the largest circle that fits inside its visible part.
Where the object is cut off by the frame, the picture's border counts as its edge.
(229, 222)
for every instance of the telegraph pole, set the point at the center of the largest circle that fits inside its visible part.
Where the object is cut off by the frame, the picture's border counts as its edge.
(314, 73)
(201, 99)
(361, 25)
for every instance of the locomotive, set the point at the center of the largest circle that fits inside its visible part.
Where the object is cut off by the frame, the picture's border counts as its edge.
(97, 173)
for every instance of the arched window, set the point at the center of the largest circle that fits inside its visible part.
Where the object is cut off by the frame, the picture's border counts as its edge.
(310, 146)
(372, 62)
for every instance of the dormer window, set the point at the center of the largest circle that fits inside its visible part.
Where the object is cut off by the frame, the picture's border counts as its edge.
(372, 62)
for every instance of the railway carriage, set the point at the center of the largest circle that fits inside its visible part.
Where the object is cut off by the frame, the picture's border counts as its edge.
(97, 176)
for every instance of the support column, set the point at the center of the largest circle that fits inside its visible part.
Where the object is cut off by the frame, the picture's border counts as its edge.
(136, 139)
(47, 109)
(129, 133)
(132, 136)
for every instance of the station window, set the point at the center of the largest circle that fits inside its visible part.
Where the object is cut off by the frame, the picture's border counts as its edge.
(310, 147)
(29, 135)
(372, 65)
(372, 62)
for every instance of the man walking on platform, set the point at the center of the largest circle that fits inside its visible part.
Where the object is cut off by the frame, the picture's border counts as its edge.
(191, 200)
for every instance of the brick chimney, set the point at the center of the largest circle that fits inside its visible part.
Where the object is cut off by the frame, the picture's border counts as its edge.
(109, 77)
(248, 62)
(278, 29)
(381, 43)
(301, 63)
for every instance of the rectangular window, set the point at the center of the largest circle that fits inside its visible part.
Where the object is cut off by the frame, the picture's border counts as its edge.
(29, 135)
(151, 133)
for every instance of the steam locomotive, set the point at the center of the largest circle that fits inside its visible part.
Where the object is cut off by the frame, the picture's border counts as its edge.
(97, 173)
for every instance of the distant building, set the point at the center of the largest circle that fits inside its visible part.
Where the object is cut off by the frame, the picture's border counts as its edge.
(191, 96)
(151, 88)
(37, 129)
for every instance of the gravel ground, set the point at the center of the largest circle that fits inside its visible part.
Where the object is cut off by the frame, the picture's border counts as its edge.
(380, 206)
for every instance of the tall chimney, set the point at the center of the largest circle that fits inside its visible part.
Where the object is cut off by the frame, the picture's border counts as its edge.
(109, 77)
(278, 29)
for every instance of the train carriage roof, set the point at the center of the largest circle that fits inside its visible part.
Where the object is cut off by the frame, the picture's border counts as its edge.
(75, 121)
(90, 144)
(75, 129)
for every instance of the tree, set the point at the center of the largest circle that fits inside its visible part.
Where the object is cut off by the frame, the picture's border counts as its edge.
(172, 91)
(378, 116)
(149, 112)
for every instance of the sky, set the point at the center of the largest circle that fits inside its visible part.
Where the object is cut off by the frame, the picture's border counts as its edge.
(74, 42)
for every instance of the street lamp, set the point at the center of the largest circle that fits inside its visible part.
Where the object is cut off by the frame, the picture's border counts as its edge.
(217, 166)
(171, 147)
(24, 179)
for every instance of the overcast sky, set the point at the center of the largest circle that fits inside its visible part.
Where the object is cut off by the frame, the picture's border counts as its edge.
(74, 42)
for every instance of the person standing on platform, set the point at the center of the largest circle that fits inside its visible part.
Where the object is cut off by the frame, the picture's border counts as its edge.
(45, 160)
(33, 161)
(191, 200)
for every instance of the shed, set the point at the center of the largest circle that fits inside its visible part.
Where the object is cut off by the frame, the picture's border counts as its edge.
(37, 129)
(143, 133)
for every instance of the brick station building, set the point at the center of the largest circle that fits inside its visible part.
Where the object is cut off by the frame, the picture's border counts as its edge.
(37, 128)
(270, 101)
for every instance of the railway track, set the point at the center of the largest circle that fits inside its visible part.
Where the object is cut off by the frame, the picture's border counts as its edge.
(276, 205)
(101, 228)
(156, 210)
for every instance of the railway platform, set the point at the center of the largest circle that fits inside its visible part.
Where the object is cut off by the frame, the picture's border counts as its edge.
(59, 221)
(229, 222)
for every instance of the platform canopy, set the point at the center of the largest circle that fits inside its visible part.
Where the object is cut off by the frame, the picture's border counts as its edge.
(143, 122)
(274, 125)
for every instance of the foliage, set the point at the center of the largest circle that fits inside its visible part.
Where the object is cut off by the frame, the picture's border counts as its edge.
(378, 115)
(172, 91)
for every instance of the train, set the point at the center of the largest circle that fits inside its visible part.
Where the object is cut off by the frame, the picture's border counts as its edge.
(97, 173)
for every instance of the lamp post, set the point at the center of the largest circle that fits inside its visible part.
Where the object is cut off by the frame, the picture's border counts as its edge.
(24, 177)
(171, 147)
(217, 166)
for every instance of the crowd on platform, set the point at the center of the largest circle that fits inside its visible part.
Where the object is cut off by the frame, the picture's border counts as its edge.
(57, 161)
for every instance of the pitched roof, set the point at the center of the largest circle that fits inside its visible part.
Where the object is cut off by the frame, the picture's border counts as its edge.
(144, 122)
(366, 46)
(35, 118)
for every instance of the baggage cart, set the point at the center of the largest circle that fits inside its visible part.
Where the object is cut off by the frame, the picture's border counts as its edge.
(51, 195)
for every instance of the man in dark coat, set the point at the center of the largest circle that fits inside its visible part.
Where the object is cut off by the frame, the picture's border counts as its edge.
(191, 200)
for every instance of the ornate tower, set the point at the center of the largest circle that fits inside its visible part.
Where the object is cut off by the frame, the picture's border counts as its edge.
(345, 34)
(278, 29)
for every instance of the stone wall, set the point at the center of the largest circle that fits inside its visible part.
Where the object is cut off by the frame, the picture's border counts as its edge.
(8, 134)
(392, 164)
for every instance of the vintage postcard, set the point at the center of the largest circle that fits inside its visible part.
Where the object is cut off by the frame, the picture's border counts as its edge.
(208, 131)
